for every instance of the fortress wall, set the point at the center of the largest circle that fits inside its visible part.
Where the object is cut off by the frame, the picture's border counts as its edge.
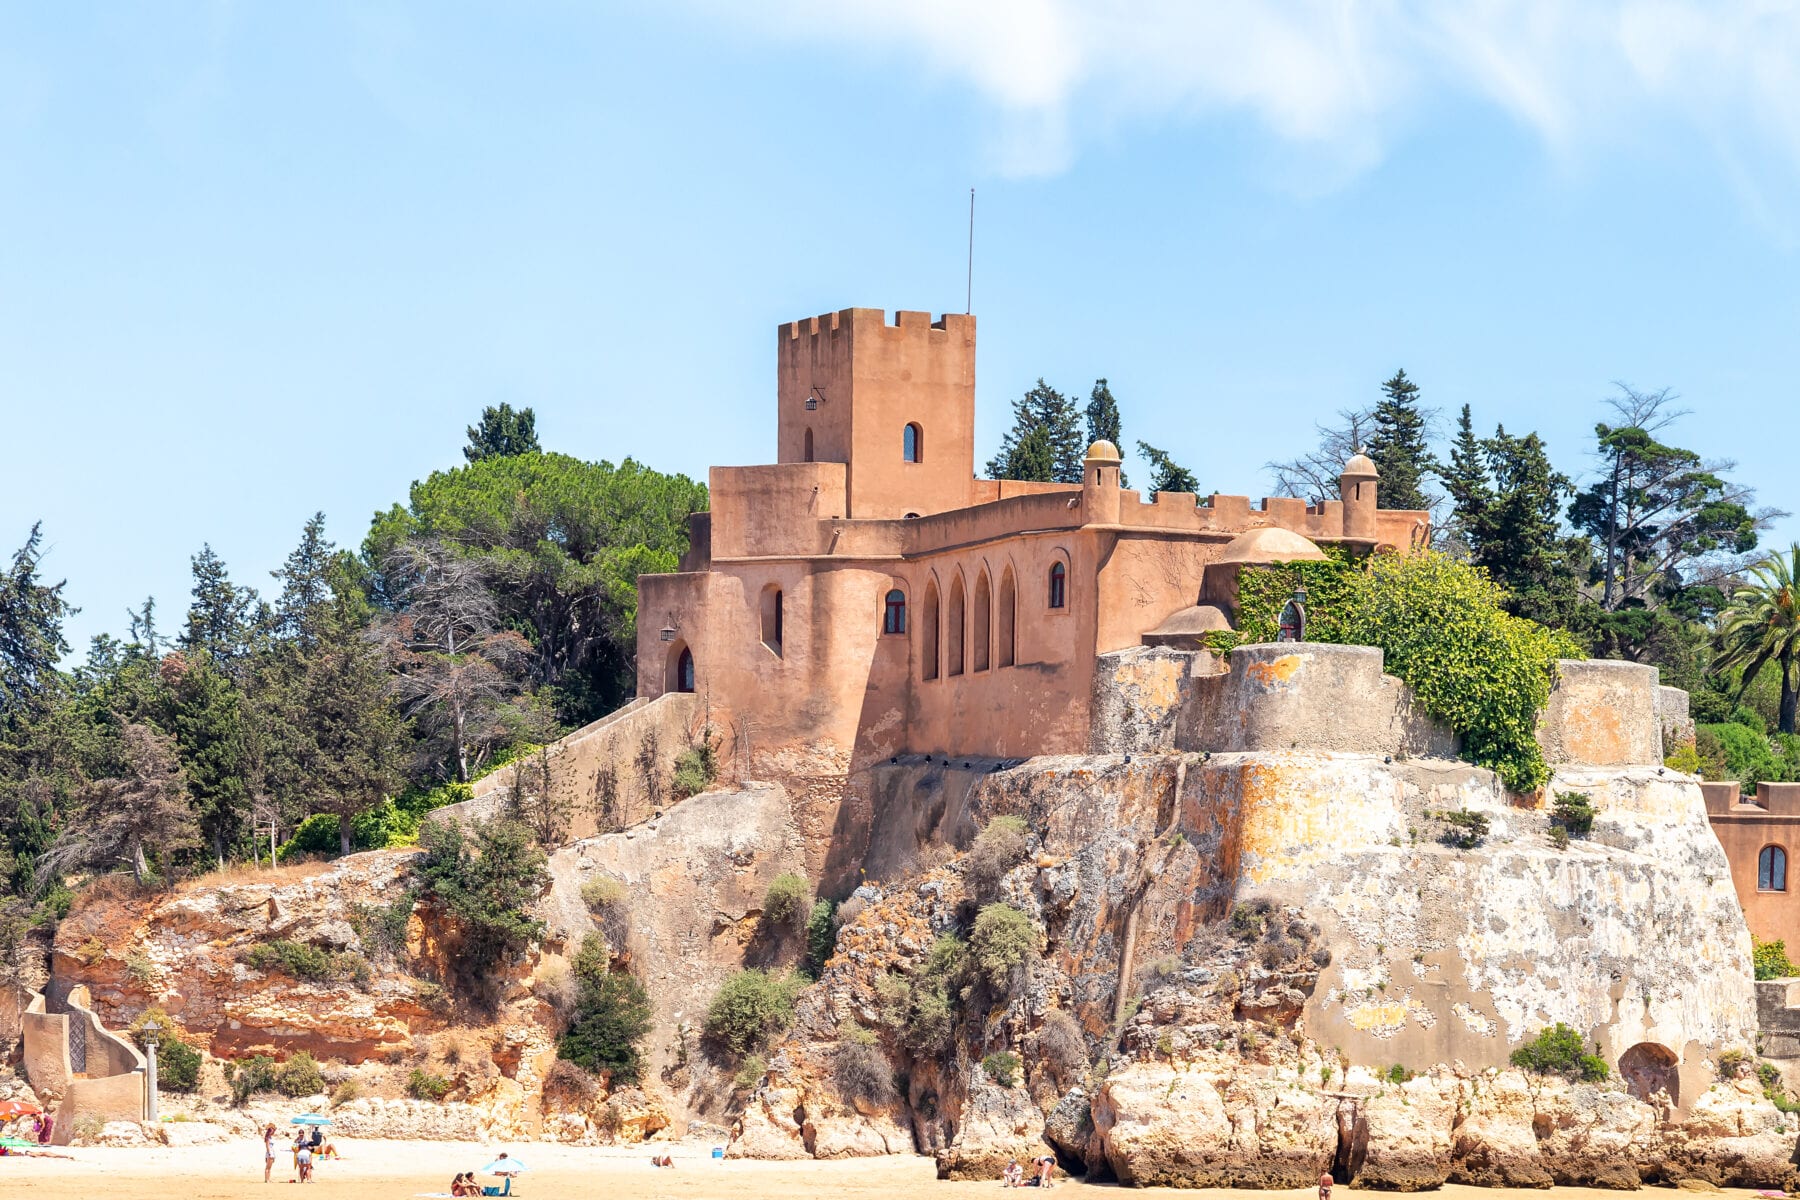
(1309, 696)
(988, 522)
(1138, 698)
(1602, 713)
(1632, 935)
(776, 510)
(46, 1038)
(615, 771)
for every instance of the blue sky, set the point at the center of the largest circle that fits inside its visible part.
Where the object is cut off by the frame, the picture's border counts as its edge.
(267, 259)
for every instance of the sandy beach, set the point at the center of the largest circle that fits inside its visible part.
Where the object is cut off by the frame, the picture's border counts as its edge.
(403, 1170)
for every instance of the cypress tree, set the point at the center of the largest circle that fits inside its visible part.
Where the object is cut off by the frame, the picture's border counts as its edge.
(1398, 445)
(1520, 535)
(1103, 421)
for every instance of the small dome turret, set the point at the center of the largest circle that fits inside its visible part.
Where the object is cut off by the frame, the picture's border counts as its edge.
(1361, 466)
(1103, 451)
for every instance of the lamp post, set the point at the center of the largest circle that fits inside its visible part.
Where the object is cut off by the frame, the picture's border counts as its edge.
(150, 1116)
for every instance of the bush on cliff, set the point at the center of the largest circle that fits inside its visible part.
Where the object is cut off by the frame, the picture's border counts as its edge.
(821, 936)
(787, 902)
(998, 848)
(422, 1085)
(860, 1071)
(751, 1009)
(1770, 959)
(1442, 629)
(1001, 939)
(486, 877)
(1558, 1050)
(611, 1020)
(177, 1063)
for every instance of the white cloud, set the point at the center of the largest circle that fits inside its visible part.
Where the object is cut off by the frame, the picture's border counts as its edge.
(1340, 77)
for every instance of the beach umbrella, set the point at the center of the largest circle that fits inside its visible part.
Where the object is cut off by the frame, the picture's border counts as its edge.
(504, 1165)
(310, 1119)
(10, 1109)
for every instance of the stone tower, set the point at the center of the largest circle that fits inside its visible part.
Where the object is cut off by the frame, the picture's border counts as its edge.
(894, 402)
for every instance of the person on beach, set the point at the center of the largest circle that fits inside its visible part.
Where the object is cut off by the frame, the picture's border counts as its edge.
(268, 1151)
(303, 1159)
(1046, 1167)
(1325, 1186)
(1013, 1175)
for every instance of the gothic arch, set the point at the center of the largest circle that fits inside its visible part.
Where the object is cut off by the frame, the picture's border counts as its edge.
(1006, 649)
(981, 632)
(929, 632)
(955, 627)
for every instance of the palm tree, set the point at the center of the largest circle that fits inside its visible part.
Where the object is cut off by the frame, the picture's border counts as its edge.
(1761, 624)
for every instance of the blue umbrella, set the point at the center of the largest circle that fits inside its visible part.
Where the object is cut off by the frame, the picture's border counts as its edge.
(310, 1119)
(504, 1165)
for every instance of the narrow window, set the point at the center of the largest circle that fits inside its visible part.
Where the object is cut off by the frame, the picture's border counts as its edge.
(912, 444)
(1771, 870)
(1059, 585)
(955, 618)
(771, 618)
(893, 619)
(809, 456)
(1008, 602)
(982, 635)
(684, 671)
(928, 644)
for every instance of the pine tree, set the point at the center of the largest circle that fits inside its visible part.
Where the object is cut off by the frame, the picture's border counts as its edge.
(1103, 421)
(305, 584)
(208, 718)
(502, 433)
(220, 617)
(1166, 474)
(1519, 536)
(1398, 445)
(31, 639)
(143, 808)
(1058, 457)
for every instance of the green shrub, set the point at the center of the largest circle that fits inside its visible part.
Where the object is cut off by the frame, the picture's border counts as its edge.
(1463, 828)
(1002, 1067)
(1001, 939)
(999, 847)
(1250, 919)
(1558, 1050)
(1735, 751)
(788, 901)
(696, 767)
(1685, 758)
(1574, 813)
(486, 877)
(250, 1076)
(603, 892)
(922, 1009)
(1442, 630)
(382, 927)
(1771, 959)
(751, 1009)
(750, 1072)
(1733, 1063)
(346, 1091)
(1398, 1074)
(821, 936)
(1559, 837)
(421, 1085)
(304, 961)
(177, 1066)
(611, 1020)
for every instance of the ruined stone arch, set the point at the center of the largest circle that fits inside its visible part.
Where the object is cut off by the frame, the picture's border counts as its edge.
(929, 619)
(1648, 1068)
(1006, 619)
(981, 631)
(956, 618)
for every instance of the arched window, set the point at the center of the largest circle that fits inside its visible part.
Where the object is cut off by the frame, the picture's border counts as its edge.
(893, 616)
(1771, 870)
(771, 618)
(1059, 586)
(912, 444)
(928, 642)
(1008, 603)
(982, 635)
(809, 456)
(684, 670)
(955, 620)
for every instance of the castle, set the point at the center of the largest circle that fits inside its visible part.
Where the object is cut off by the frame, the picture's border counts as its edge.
(866, 594)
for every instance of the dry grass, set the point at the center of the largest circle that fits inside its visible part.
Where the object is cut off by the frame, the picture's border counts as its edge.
(242, 873)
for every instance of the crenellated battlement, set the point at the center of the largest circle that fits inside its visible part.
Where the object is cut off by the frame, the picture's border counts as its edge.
(906, 322)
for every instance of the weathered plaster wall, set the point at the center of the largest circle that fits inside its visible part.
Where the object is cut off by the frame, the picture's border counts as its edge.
(1602, 713)
(1138, 698)
(616, 771)
(1283, 695)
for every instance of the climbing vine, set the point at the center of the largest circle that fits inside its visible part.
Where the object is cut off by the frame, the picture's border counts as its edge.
(1481, 671)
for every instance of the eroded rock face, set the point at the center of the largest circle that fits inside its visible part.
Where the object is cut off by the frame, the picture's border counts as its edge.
(1266, 947)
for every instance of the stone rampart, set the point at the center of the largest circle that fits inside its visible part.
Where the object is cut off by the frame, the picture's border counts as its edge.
(1309, 696)
(614, 772)
(1603, 713)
